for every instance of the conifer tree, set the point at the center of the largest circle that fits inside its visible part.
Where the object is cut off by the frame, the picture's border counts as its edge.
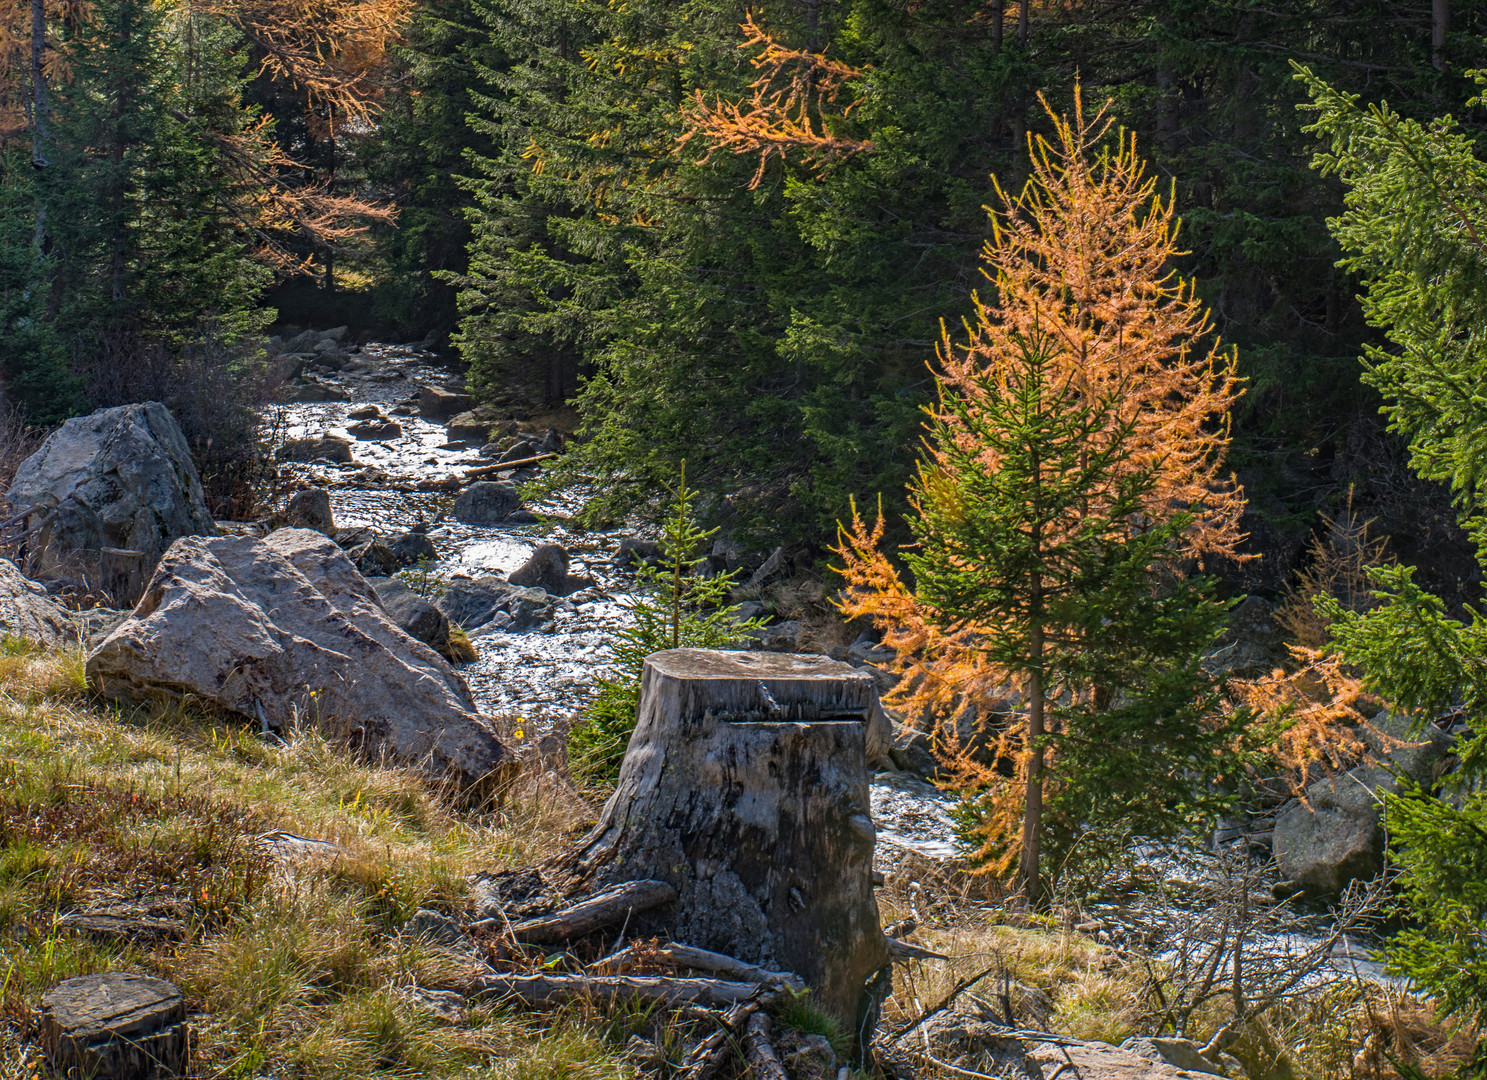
(1415, 231)
(1073, 459)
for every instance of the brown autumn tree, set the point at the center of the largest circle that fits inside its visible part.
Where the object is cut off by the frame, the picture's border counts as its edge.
(1088, 387)
(330, 51)
(786, 109)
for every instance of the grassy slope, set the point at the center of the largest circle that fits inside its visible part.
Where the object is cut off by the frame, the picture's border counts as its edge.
(294, 972)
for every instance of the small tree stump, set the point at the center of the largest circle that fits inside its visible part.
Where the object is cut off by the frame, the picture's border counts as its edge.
(115, 1026)
(745, 788)
(121, 574)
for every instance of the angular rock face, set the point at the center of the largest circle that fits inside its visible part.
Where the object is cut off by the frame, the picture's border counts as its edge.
(309, 509)
(441, 406)
(287, 626)
(26, 612)
(329, 447)
(547, 569)
(122, 477)
(472, 605)
(1336, 836)
(486, 503)
(415, 615)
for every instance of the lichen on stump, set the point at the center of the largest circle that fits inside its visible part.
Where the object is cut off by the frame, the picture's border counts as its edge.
(745, 788)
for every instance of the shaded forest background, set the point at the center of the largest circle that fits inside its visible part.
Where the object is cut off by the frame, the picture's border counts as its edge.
(514, 175)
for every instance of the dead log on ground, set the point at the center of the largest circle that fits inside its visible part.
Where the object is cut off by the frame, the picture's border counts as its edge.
(702, 960)
(764, 1063)
(611, 907)
(504, 466)
(540, 991)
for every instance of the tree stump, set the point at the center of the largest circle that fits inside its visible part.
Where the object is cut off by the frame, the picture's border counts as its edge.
(121, 574)
(115, 1026)
(745, 788)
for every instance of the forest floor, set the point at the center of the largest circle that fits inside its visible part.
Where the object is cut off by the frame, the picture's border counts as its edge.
(298, 968)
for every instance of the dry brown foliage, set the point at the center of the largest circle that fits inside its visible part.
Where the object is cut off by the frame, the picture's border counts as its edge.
(785, 110)
(1321, 696)
(1080, 258)
(332, 50)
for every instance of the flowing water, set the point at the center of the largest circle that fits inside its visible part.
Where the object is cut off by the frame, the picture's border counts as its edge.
(545, 674)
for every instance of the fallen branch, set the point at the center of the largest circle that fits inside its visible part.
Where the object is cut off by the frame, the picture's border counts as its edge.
(503, 466)
(543, 990)
(703, 960)
(603, 909)
(708, 1056)
(902, 951)
(764, 1063)
(956, 1069)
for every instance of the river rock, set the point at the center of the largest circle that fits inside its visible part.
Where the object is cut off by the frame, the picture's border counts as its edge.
(121, 478)
(440, 406)
(481, 602)
(375, 559)
(517, 451)
(303, 342)
(412, 547)
(633, 550)
(376, 429)
(308, 509)
(365, 412)
(472, 426)
(546, 569)
(276, 626)
(487, 502)
(1335, 835)
(28, 613)
(310, 391)
(330, 447)
(415, 615)
(1420, 755)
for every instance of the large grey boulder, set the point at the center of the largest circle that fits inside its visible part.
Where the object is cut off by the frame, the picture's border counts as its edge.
(486, 503)
(546, 569)
(1335, 835)
(284, 628)
(28, 613)
(483, 601)
(121, 477)
(415, 615)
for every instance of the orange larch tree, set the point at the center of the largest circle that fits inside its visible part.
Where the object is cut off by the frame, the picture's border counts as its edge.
(786, 109)
(1009, 620)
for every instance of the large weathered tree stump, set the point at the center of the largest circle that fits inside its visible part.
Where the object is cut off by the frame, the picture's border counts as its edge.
(745, 788)
(115, 1026)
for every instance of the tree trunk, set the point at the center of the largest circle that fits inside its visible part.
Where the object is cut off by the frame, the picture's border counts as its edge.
(40, 107)
(1440, 23)
(115, 1026)
(745, 788)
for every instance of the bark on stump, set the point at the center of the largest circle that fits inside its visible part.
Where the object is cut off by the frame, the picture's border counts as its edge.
(115, 1026)
(745, 788)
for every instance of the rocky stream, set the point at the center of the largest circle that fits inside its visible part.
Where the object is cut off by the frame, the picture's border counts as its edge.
(403, 416)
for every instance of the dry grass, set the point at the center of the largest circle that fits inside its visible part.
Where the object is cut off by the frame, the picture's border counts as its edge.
(290, 971)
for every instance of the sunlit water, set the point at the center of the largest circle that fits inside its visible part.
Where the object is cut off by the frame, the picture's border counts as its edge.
(547, 674)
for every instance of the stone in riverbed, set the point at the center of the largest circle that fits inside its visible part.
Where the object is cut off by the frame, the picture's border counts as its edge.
(286, 627)
(120, 478)
(412, 547)
(313, 392)
(307, 509)
(376, 429)
(415, 615)
(473, 426)
(486, 503)
(545, 569)
(329, 447)
(1336, 835)
(440, 406)
(475, 604)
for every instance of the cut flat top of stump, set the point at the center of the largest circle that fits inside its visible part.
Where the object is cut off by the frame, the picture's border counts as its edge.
(112, 1004)
(735, 664)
